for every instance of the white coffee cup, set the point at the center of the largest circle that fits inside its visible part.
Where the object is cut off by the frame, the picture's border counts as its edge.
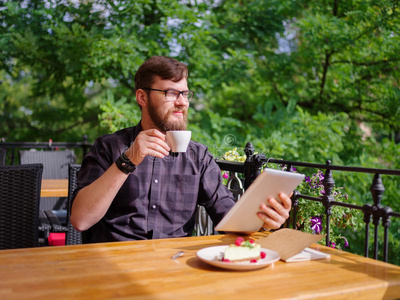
(178, 140)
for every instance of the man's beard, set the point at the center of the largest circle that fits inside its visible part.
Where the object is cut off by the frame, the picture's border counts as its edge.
(162, 121)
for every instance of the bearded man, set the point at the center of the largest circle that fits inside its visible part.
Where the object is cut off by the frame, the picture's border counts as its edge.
(131, 187)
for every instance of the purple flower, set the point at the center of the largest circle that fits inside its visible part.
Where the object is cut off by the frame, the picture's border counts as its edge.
(332, 245)
(346, 242)
(307, 179)
(316, 224)
(322, 192)
(294, 169)
(225, 175)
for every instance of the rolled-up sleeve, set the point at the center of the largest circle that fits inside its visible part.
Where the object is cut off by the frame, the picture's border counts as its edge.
(95, 163)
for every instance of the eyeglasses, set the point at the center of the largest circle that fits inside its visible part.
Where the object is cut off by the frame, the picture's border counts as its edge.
(173, 95)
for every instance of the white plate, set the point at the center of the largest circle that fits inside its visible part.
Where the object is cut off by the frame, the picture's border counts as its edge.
(212, 256)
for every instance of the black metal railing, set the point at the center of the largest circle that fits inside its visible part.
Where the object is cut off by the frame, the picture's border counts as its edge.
(380, 214)
(11, 148)
(252, 167)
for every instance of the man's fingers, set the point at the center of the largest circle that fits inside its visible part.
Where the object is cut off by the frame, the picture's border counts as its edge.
(286, 201)
(155, 133)
(268, 222)
(152, 150)
(156, 154)
(149, 142)
(156, 140)
(154, 136)
(278, 208)
(273, 214)
(158, 148)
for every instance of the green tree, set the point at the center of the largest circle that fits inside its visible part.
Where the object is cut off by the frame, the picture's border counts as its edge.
(303, 80)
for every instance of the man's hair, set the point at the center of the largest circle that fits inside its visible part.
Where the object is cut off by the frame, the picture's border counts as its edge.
(165, 67)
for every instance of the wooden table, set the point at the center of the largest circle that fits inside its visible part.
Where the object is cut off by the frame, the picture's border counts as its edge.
(145, 270)
(54, 188)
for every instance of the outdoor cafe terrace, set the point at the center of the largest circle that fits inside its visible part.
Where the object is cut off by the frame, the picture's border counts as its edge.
(360, 277)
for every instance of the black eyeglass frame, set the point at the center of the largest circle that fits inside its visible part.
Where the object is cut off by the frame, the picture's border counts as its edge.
(188, 97)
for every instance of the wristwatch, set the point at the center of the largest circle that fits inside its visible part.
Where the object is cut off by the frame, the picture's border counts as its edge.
(124, 164)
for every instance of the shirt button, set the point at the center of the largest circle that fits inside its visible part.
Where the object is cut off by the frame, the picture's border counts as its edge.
(156, 181)
(154, 206)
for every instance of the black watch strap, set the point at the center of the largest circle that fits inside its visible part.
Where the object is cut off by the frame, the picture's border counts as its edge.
(124, 164)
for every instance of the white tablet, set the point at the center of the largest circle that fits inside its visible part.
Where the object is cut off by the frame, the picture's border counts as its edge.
(243, 215)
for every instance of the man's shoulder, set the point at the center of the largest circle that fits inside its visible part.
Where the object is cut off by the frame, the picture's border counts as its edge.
(199, 150)
(124, 135)
(198, 147)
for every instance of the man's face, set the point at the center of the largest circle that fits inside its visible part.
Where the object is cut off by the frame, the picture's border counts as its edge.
(168, 115)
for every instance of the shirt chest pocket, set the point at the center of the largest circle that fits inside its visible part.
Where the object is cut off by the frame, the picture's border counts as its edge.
(182, 192)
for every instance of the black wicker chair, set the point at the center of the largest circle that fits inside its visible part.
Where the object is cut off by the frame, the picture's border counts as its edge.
(73, 236)
(19, 205)
(55, 166)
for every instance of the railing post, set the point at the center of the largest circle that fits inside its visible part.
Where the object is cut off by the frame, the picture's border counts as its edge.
(234, 180)
(367, 210)
(386, 223)
(377, 190)
(12, 156)
(327, 198)
(295, 208)
(252, 165)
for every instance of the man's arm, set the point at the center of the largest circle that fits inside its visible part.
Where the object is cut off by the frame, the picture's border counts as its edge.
(92, 202)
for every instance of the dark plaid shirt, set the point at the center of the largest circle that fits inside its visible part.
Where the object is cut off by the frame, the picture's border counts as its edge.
(159, 199)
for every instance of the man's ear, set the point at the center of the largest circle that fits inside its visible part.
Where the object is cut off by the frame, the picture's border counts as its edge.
(141, 97)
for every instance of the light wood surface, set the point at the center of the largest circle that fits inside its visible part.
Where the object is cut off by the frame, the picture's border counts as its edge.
(145, 270)
(54, 188)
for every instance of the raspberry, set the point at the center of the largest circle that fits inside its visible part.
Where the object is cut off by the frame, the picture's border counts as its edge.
(251, 241)
(226, 260)
(253, 260)
(239, 241)
(263, 254)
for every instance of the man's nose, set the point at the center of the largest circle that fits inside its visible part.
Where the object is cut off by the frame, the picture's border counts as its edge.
(181, 101)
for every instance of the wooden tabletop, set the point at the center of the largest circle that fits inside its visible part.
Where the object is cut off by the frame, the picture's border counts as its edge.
(54, 188)
(145, 270)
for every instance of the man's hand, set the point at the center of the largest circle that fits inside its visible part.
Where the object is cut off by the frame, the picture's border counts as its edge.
(148, 142)
(276, 213)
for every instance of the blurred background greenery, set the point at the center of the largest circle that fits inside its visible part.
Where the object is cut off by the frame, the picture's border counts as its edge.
(302, 80)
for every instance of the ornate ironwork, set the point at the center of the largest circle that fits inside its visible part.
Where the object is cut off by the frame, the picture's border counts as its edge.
(255, 162)
(327, 198)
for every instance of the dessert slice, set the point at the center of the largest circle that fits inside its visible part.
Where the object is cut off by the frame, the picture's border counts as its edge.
(243, 251)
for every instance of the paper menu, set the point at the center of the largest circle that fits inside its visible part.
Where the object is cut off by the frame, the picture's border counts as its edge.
(308, 254)
(292, 245)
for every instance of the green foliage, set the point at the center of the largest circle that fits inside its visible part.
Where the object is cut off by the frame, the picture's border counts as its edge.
(302, 80)
(118, 114)
(341, 217)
